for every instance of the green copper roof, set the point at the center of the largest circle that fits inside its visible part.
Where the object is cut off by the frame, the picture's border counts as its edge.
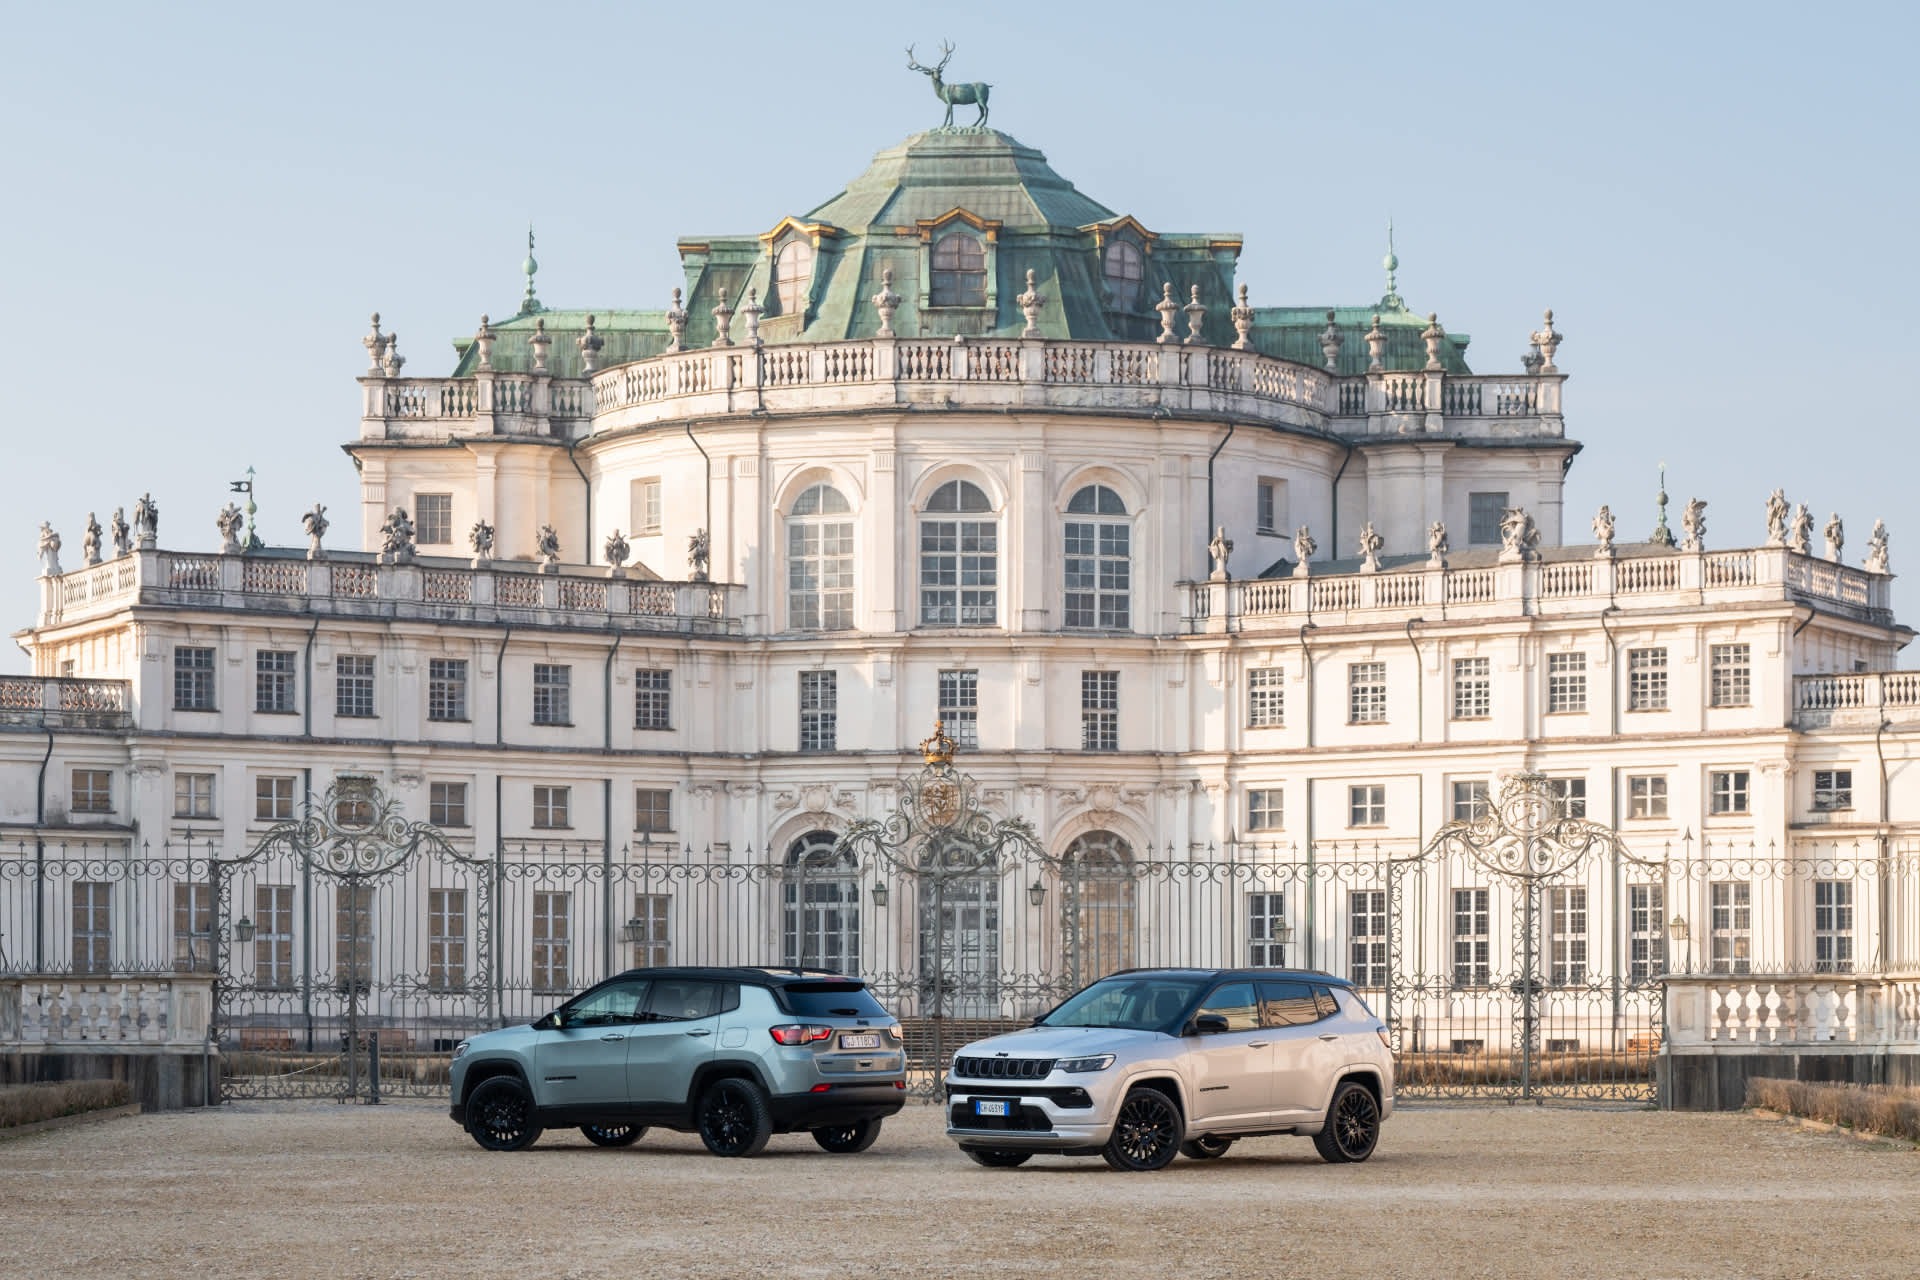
(983, 171)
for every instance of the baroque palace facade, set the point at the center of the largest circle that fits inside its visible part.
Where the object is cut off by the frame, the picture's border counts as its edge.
(1237, 606)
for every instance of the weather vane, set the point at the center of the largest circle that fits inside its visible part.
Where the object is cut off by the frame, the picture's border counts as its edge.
(246, 487)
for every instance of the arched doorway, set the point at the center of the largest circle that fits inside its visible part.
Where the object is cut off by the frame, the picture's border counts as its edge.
(820, 906)
(1098, 924)
(960, 939)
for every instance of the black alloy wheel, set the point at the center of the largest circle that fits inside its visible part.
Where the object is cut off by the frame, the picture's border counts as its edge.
(734, 1120)
(500, 1115)
(1146, 1136)
(1206, 1147)
(613, 1135)
(997, 1157)
(1353, 1125)
(846, 1139)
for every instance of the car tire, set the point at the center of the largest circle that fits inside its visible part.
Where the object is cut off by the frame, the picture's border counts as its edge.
(500, 1115)
(997, 1157)
(1146, 1133)
(734, 1119)
(1352, 1129)
(613, 1135)
(1206, 1147)
(848, 1139)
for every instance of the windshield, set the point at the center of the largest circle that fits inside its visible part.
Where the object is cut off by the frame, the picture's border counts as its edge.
(1138, 1004)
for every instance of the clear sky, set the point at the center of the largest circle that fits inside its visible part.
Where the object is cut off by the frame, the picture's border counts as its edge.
(200, 206)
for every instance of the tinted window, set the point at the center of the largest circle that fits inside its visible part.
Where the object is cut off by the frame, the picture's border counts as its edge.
(682, 999)
(1141, 1004)
(617, 1002)
(1235, 1002)
(830, 1000)
(1289, 1004)
(1324, 995)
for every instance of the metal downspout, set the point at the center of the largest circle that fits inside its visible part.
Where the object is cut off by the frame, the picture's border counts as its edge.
(1419, 684)
(707, 484)
(306, 675)
(40, 861)
(607, 702)
(1333, 544)
(1208, 531)
(1881, 839)
(1306, 667)
(586, 546)
(499, 691)
(1613, 666)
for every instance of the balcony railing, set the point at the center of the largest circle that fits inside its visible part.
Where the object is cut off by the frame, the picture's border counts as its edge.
(1731, 1011)
(1860, 697)
(55, 702)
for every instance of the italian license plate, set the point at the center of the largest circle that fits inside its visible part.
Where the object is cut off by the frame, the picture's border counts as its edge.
(860, 1042)
(992, 1107)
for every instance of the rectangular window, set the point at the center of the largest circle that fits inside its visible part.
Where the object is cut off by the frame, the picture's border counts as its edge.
(353, 685)
(1098, 574)
(1367, 937)
(91, 792)
(1270, 515)
(273, 682)
(1266, 809)
(446, 939)
(193, 795)
(433, 519)
(1647, 796)
(1566, 683)
(959, 573)
(1832, 789)
(1646, 931)
(1366, 692)
(1646, 679)
(552, 703)
(446, 689)
(647, 930)
(1731, 680)
(1266, 698)
(353, 937)
(1471, 938)
(92, 927)
(819, 710)
(273, 936)
(550, 807)
(447, 804)
(273, 799)
(1267, 930)
(646, 507)
(192, 928)
(652, 809)
(653, 699)
(1833, 926)
(1569, 796)
(1472, 688)
(1730, 926)
(193, 679)
(1567, 919)
(959, 707)
(1483, 518)
(819, 575)
(1099, 710)
(1367, 805)
(552, 942)
(1470, 801)
(1729, 791)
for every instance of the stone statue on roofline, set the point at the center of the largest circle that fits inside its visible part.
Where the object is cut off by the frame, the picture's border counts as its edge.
(1437, 545)
(546, 544)
(1836, 535)
(1303, 548)
(228, 522)
(1519, 536)
(146, 522)
(396, 538)
(316, 525)
(480, 538)
(1777, 515)
(617, 552)
(1370, 544)
(49, 549)
(90, 540)
(1603, 533)
(122, 536)
(1800, 530)
(1693, 525)
(1220, 548)
(1876, 561)
(699, 554)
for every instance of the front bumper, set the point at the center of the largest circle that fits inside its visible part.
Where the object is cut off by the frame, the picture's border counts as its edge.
(1041, 1117)
(459, 1114)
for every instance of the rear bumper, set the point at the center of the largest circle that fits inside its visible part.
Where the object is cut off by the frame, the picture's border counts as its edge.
(840, 1104)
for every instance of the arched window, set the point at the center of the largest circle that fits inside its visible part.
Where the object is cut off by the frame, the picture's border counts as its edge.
(820, 916)
(1099, 569)
(820, 561)
(1097, 877)
(792, 272)
(959, 558)
(1124, 271)
(959, 271)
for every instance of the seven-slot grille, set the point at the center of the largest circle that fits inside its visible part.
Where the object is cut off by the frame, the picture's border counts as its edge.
(1003, 1068)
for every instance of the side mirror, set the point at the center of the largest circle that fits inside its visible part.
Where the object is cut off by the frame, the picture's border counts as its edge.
(1209, 1024)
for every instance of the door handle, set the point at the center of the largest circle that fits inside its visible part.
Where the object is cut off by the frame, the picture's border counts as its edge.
(1329, 1035)
(704, 1031)
(614, 1035)
(1258, 1044)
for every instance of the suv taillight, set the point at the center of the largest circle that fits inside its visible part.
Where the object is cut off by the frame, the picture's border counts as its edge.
(800, 1033)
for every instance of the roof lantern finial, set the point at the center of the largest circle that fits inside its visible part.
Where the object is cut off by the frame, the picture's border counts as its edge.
(529, 304)
(1392, 264)
(1661, 536)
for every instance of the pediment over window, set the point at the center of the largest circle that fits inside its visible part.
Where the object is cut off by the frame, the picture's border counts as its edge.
(1125, 224)
(989, 228)
(814, 232)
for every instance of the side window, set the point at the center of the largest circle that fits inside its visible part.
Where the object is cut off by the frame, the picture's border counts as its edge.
(683, 999)
(1235, 1002)
(611, 1005)
(1323, 996)
(1288, 1004)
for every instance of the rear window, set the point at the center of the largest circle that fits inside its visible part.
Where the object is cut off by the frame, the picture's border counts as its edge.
(829, 1000)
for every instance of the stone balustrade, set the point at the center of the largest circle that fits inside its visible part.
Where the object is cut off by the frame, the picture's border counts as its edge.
(1581, 584)
(1855, 698)
(988, 373)
(55, 702)
(1730, 1011)
(125, 1013)
(432, 588)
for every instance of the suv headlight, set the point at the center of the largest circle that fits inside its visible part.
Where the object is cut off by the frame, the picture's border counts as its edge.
(1075, 1065)
(460, 1050)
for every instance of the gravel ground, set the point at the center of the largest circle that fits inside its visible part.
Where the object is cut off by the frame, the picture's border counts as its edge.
(294, 1189)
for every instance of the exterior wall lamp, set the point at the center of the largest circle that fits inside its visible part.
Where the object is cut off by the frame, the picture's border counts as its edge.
(1036, 893)
(243, 930)
(880, 894)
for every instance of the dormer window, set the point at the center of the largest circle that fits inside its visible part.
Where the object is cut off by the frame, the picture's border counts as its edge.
(792, 273)
(1124, 269)
(959, 271)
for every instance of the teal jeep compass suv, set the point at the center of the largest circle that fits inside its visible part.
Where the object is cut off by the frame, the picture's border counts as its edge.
(735, 1055)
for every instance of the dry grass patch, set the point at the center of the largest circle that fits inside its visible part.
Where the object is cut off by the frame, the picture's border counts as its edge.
(1872, 1108)
(31, 1103)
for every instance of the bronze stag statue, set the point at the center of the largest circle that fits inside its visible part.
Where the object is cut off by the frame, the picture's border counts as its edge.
(953, 95)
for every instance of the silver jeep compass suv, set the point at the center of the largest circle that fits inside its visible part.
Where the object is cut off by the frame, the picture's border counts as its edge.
(735, 1055)
(1150, 1063)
